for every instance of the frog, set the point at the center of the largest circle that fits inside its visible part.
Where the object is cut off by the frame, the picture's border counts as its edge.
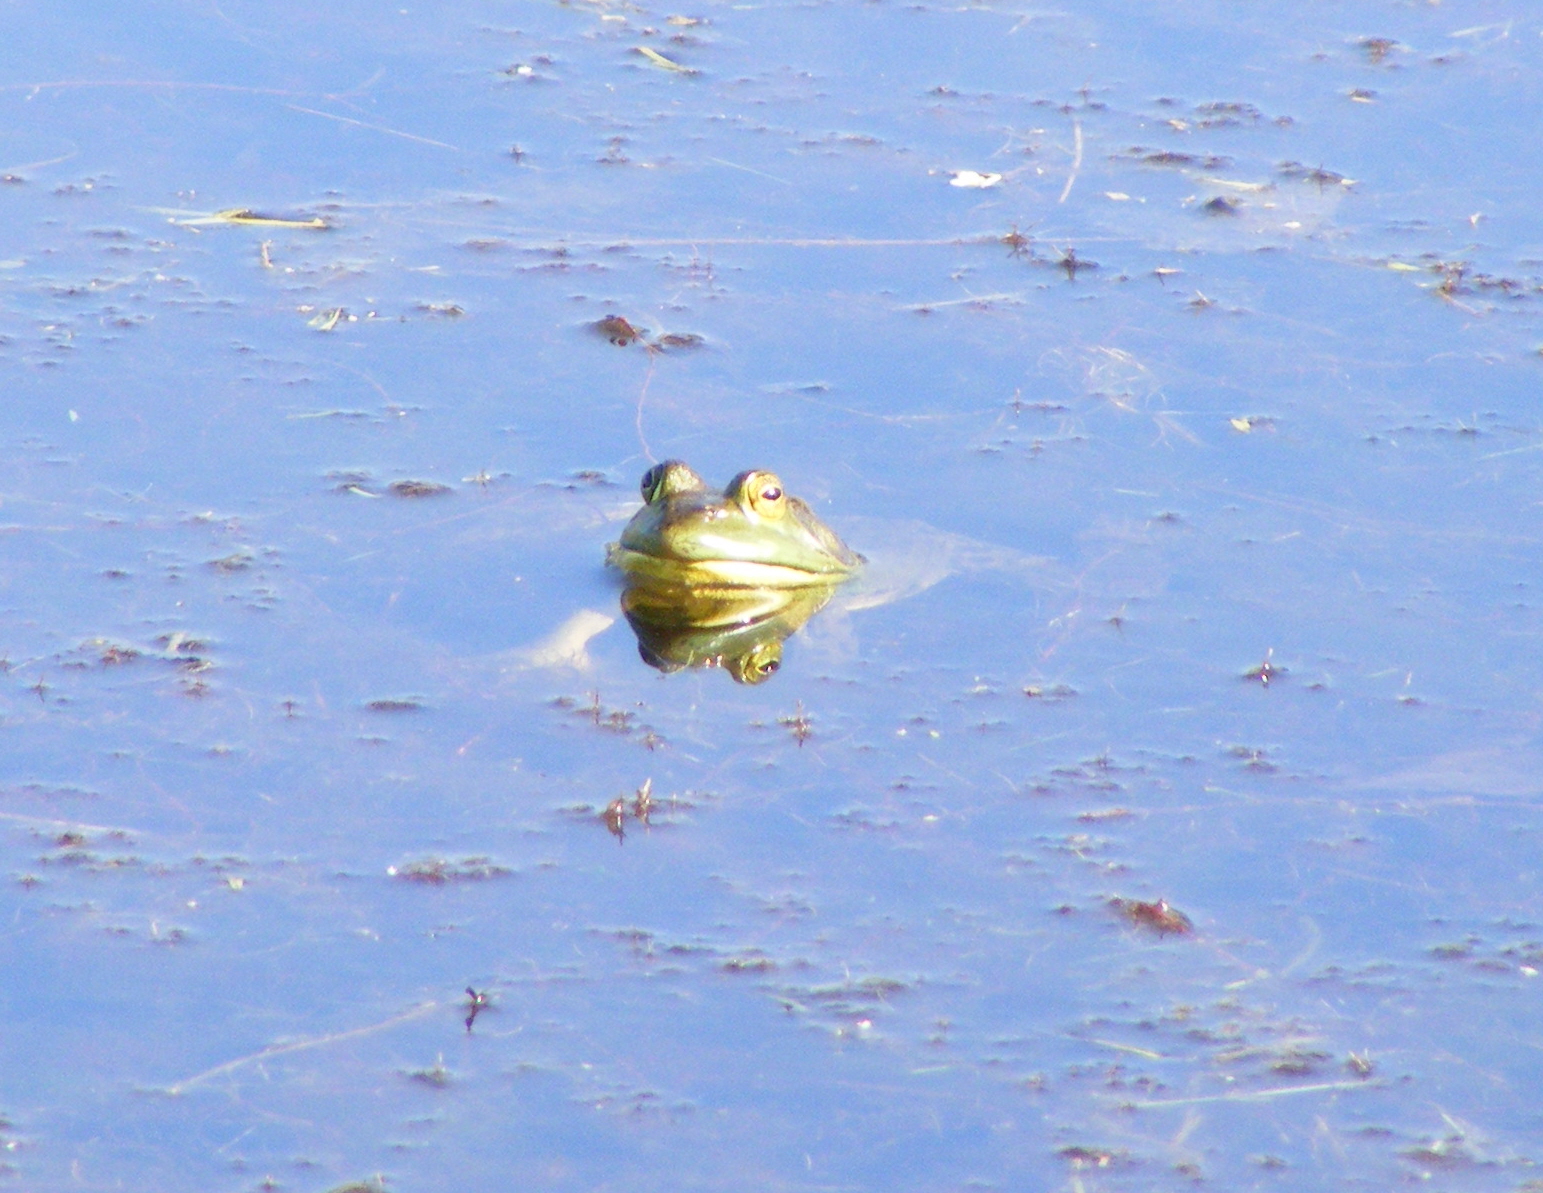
(707, 612)
(752, 535)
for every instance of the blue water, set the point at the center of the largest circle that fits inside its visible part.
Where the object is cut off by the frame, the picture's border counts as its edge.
(283, 778)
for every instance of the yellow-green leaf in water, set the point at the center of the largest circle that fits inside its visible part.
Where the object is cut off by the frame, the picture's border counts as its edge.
(660, 60)
(243, 215)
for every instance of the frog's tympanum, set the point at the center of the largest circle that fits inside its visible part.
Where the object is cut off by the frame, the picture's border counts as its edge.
(719, 579)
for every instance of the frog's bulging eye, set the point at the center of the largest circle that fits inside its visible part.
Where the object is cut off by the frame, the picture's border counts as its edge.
(653, 480)
(669, 479)
(760, 493)
(765, 494)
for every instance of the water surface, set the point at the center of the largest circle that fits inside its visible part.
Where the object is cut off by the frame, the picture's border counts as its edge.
(1200, 453)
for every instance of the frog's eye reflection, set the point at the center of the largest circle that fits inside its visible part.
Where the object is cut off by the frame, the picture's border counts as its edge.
(771, 493)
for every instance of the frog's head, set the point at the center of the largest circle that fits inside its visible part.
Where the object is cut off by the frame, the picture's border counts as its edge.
(751, 535)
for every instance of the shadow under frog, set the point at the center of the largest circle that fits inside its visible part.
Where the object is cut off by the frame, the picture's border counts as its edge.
(721, 578)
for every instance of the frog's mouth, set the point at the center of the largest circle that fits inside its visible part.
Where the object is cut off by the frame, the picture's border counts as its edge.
(716, 573)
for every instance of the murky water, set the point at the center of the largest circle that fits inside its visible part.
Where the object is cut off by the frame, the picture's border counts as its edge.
(1194, 442)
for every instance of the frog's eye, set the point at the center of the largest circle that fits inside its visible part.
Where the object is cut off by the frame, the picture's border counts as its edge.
(669, 479)
(652, 480)
(765, 493)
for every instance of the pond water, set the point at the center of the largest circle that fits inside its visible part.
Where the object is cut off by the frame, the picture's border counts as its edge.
(1163, 812)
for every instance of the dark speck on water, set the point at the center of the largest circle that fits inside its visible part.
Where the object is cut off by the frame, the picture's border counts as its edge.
(678, 340)
(395, 704)
(1377, 49)
(1266, 672)
(476, 1003)
(300, 740)
(412, 488)
(438, 871)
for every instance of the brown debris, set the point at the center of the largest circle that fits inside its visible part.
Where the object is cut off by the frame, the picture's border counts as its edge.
(1158, 916)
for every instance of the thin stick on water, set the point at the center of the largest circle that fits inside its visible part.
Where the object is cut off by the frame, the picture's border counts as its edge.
(1076, 159)
(379, 128)
(1255, 1095)
(231, 1066)
(648, 452)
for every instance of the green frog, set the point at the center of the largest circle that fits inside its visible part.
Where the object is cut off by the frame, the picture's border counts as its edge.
(752, 535)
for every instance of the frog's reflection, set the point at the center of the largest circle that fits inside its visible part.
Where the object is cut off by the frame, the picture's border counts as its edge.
(739, 630)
